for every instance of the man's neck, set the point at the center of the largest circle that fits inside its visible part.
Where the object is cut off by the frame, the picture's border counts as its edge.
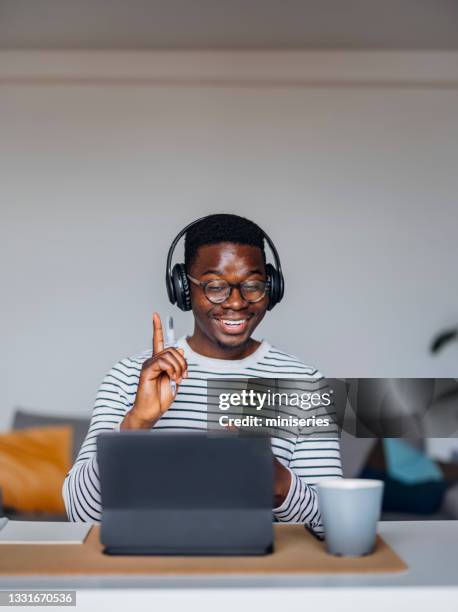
(205, 347)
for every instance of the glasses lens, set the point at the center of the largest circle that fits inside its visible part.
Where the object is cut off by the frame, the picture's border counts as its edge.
(217, 291)
(253, 291)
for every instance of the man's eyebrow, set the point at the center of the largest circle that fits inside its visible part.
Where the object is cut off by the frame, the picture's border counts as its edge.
(211, 271)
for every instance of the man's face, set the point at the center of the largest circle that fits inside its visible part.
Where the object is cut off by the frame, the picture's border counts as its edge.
(234, 263)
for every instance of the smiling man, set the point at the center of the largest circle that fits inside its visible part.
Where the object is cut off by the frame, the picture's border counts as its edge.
(230, 287)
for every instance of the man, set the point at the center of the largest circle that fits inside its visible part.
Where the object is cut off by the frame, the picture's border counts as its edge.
(225, 264)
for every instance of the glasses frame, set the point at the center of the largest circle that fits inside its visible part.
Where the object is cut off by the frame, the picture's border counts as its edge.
(230, 286)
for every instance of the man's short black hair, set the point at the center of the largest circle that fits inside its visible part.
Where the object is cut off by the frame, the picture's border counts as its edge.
(221, 228)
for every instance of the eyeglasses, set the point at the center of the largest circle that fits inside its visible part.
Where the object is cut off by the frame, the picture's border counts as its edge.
(218, 291)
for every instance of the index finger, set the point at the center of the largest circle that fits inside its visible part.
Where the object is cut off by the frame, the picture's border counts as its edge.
(158, 335)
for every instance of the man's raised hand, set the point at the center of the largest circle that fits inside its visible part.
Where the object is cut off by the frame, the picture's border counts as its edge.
(155, 394)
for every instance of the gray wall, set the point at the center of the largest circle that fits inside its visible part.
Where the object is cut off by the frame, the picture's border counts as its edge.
(356, 185)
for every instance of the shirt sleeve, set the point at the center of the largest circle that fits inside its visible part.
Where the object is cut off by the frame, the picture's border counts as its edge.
(312, 461)
(81, 488)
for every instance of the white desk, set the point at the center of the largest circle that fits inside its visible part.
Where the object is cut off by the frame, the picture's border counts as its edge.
(430, 548)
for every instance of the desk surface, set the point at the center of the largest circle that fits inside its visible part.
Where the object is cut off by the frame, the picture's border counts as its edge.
(430, 549)
(297, 552)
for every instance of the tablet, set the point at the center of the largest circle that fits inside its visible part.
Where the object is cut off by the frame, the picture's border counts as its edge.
(185, 493)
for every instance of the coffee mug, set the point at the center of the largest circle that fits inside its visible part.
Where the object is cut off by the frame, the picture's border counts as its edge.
(350, 509)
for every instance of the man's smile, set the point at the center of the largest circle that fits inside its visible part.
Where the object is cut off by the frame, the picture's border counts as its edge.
(233, 325)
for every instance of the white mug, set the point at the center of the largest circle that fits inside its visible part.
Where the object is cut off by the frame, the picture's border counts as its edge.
(350, 509)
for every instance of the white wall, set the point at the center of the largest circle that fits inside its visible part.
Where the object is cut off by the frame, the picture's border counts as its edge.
(349, 161)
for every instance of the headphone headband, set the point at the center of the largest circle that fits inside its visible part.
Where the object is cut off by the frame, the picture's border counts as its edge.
(177, 282)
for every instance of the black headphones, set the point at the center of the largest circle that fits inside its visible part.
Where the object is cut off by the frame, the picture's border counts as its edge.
(178, 286)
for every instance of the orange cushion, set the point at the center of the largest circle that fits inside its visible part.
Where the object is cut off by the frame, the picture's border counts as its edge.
(33, 466)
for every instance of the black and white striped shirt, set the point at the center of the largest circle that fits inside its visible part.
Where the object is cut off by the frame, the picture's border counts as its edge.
(308, 459)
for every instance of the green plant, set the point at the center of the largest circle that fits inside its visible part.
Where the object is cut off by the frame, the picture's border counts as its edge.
(443, 338)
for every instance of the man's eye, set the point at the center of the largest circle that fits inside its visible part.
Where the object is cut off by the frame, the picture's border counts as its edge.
(253, 286)
(216, 288)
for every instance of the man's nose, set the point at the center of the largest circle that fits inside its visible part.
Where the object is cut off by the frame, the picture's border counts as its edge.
(235, 300)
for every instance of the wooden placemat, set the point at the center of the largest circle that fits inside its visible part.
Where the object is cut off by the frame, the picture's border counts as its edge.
(296, 552)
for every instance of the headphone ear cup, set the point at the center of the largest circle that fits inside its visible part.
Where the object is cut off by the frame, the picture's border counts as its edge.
(272, 285)
(170, 288)
(181, 287)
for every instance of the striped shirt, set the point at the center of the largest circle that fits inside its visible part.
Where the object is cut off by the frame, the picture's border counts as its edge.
(308, 459)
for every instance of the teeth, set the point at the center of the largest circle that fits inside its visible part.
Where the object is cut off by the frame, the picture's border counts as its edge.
(239, 322)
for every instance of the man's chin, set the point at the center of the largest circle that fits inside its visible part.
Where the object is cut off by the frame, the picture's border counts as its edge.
(233, 342)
